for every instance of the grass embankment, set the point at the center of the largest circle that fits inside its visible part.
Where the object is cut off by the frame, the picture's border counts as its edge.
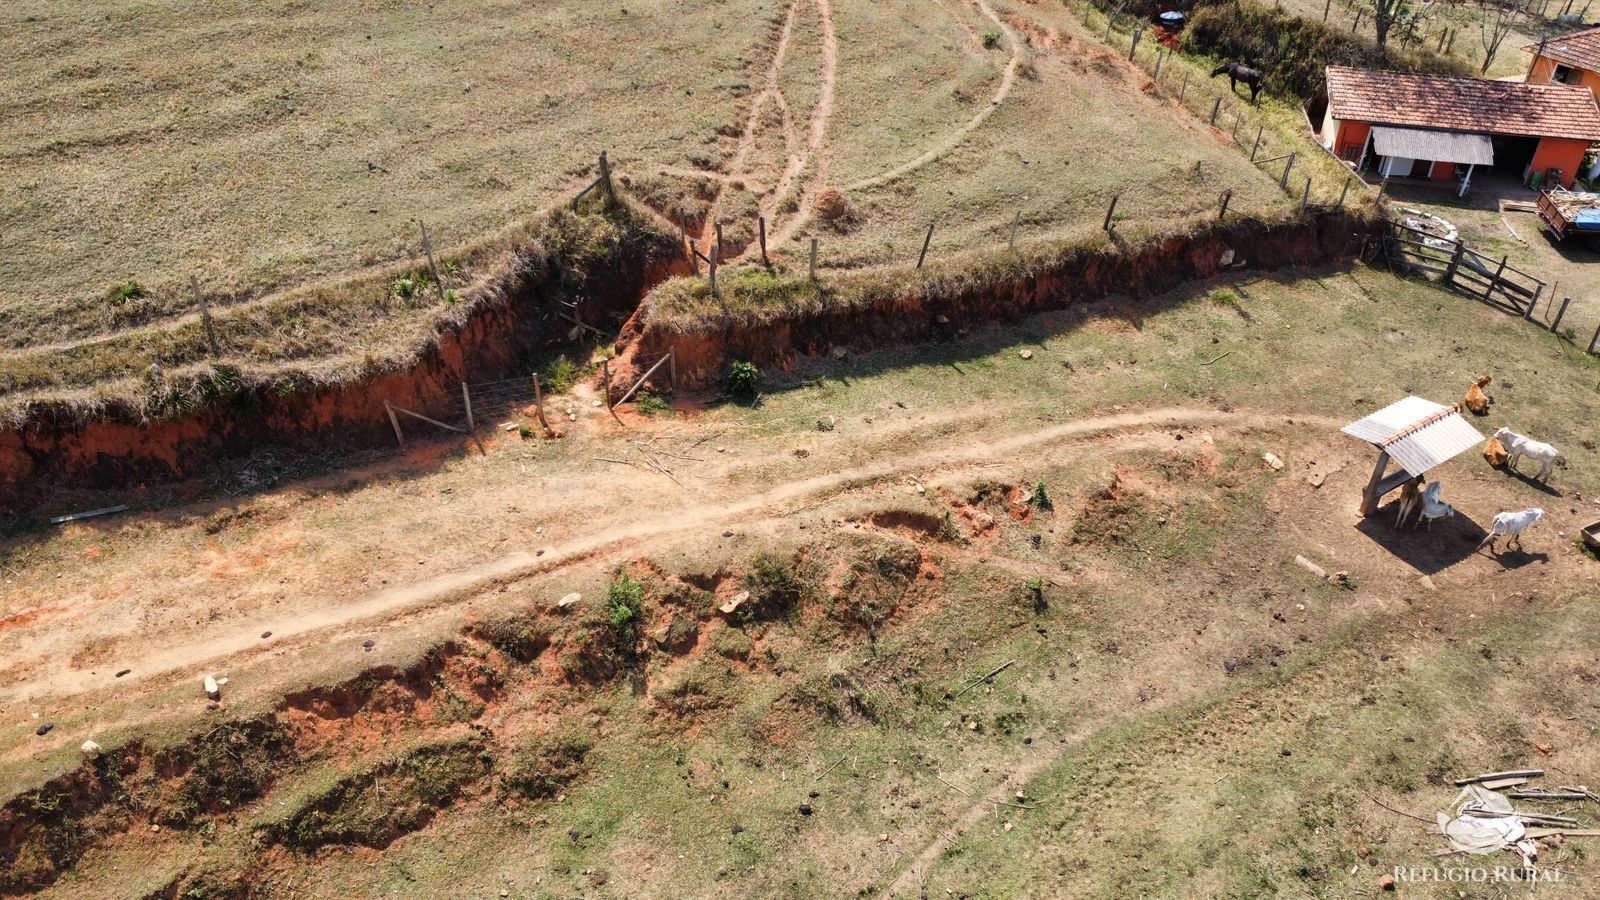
(381, 321)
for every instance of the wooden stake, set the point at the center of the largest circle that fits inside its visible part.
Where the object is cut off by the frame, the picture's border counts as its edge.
(605, 374)
(427, 249)
(1345, 191)
(538, 402)
(1287, 168)
(1555, 327)
(719, 236)
(1161, 57)
(716, 254)
(605, 178)
(1305, 196)
(1227, 197)
(761, 224)
(205, 315)
(1185, 89)
(1137, 34)
(1594, 340)
(1254, 148)
(928, 239)
(1215, 108)
(1014, 222)
(642, 378)
(395, 421)
(813, 259)
(466, 400)
(1106, 226)
(1325, 7)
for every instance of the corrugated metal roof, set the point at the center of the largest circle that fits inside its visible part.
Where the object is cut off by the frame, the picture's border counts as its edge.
(1439, 146)
(1418, 434)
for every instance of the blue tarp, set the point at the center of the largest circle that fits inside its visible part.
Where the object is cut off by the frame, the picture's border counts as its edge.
(1587, 219)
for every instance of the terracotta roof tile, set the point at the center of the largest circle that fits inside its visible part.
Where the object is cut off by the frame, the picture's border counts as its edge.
(1463, 104)
(1581, 49)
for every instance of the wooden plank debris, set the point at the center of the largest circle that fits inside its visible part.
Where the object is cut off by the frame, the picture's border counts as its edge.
(1491, 776)
(88, 514)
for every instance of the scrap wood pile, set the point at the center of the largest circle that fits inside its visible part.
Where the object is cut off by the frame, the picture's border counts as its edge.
(1582, 209)
(1483, 819)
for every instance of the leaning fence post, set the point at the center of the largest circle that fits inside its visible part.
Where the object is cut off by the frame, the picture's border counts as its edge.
(813, 259)
(928, 239)
(1527, 315)
(1305, 196)
(1112, 209)
(205, 314)
(1014, 222)
(395, 421)
(1288, 167)
(1454, 264)
(538, 401)
(1555, 327)
(1137, 34)
(1227, 197)
(1160, 58)
(1215, 108)
(716, 254)
(1594, 340)
(761, 223)
(466, 400)
(1185, 89)
(1254, 148)
(605, 178)
(427, 249)
(1112, 20)
(1345, 191)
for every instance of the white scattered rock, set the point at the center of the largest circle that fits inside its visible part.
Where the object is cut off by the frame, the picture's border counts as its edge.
(569, 599)
(1226, 259)
(1311, 567)
(1009, 826)
(1272, 460)
(1026, 354)
(213, 691)
(734, 602)
(90, 748)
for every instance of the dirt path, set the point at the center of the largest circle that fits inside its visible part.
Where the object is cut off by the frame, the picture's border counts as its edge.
(711, 508)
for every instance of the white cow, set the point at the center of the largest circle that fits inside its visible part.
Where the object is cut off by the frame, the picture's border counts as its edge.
(1433, 507)
(1518, 446)
(1512, 524)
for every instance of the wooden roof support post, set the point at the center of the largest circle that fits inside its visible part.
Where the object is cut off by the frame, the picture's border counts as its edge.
(1369, 494)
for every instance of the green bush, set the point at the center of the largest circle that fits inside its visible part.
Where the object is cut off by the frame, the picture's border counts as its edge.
(650, 404)
(1041, 497)
(624, 605)
(126, 292)
(991, 38)
(743, 379)
(559, 376)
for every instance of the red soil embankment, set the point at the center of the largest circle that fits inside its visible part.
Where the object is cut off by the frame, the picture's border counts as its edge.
(1151, 268)
(55, 450)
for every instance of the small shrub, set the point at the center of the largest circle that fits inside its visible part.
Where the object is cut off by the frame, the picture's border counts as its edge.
(404, 288)
(1041, 497)
(743, 379)
(129, 291)
(526, 431)
(1036, 595)
(624, 605)
(991, 38)
(560, 376)
(651, 405)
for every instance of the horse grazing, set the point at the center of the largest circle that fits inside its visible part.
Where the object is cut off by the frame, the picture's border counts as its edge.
(1544, 454)
(1238, 72)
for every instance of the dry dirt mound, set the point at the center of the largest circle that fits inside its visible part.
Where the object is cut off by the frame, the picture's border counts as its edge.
(831, 205)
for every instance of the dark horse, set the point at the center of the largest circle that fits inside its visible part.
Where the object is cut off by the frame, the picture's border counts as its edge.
(1238, 72)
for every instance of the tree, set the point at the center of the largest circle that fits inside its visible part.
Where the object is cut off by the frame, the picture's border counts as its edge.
(1384, 15)
(1492, 32)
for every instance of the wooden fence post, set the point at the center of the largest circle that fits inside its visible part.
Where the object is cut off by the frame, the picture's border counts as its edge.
(1112, 20)
(716, 254)
(205, 314)
(538, 401)
(1109, 211)
(1254, 148)
(605, 374)
(1325, 7)
(672, 367)
(925, 242)
(1345, 190)
(1305, 196)
(1594, 340)
(605, 178)
(1357, 23)
(1161, 57)
(466, 400)
(1227, 197)
(1014, 222)
(1533, 304)
(1555, 327)
(761, 223)
(1287, 168)
(719, 236)
(1454, 264)
(813, 259)
(1235, 132)
(427, 250)
(1185, 89)
(395, 421)
(1215, 108)
(1137, 34)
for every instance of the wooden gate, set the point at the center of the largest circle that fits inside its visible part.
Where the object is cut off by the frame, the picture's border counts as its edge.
(1464, 270)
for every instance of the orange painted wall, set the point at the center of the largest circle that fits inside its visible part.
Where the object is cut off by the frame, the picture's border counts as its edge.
(1352, 136)
(1560, 154)
(1545, 68)
(1442, 171)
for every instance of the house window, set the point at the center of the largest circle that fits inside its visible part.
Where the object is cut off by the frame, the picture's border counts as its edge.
(1563, 75)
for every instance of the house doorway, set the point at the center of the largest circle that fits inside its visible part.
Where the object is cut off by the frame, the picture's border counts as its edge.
(1513, 155)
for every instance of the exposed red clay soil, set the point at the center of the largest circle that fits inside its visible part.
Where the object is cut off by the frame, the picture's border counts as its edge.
(120, 451)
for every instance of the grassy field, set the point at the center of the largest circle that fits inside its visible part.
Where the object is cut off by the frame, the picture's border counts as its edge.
(147, 146)
(1188, 713)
